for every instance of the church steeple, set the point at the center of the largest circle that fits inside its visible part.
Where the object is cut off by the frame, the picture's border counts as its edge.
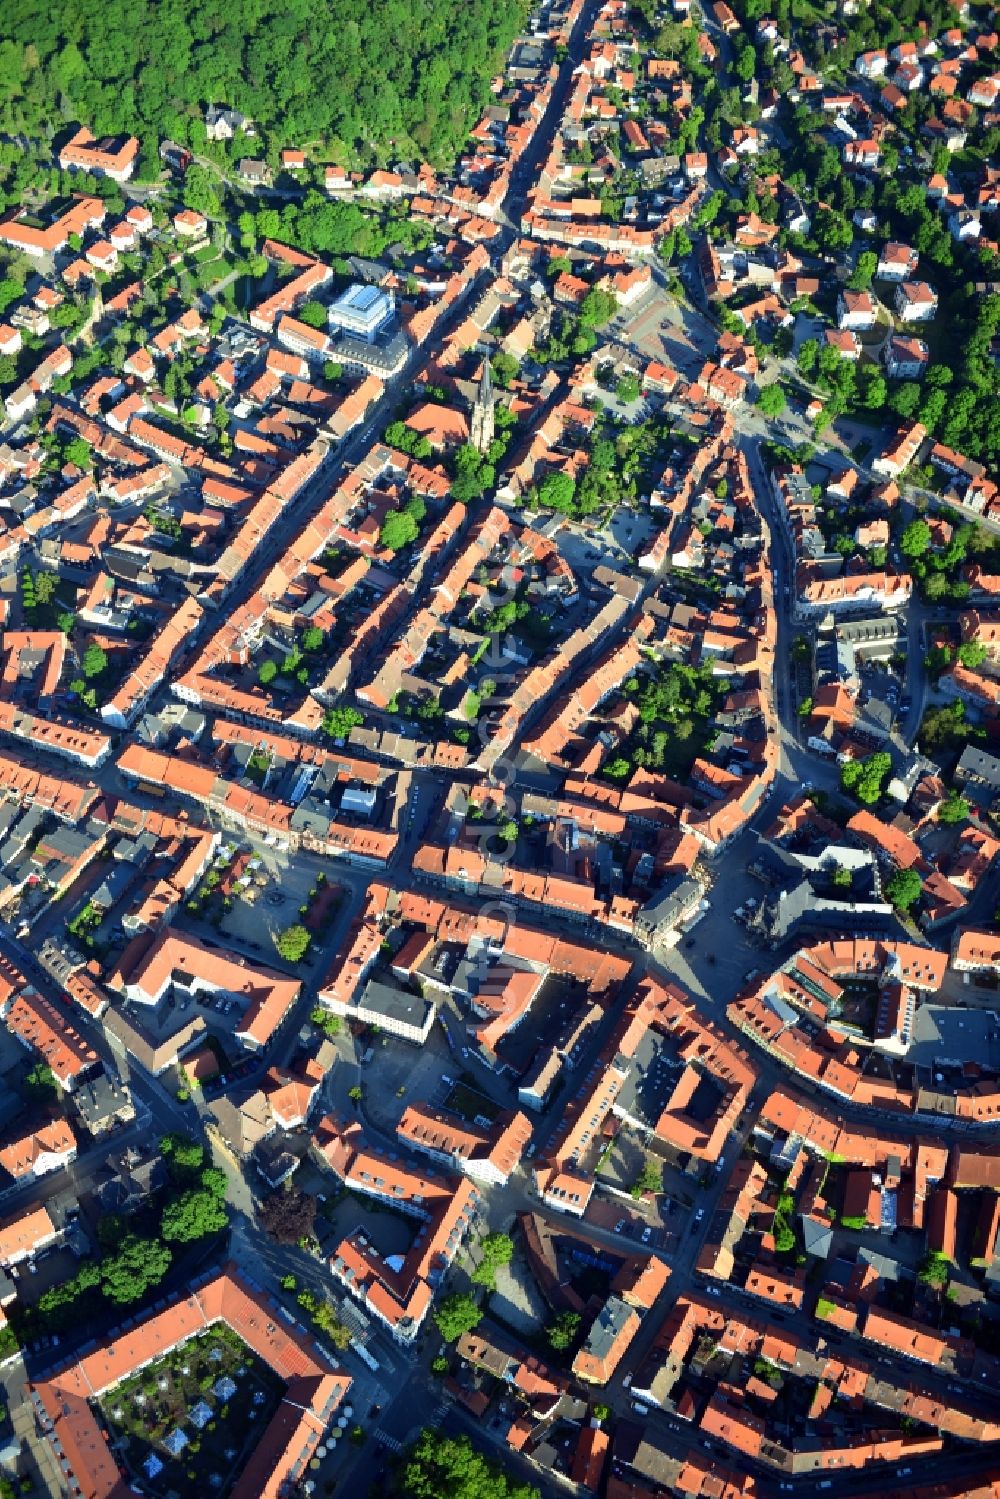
(483, 424)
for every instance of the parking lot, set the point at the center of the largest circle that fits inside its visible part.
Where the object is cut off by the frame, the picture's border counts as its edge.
(43, 1272)
(638, 1225)
(408, 1074)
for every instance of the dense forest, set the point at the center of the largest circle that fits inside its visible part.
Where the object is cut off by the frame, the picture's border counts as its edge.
(365, 79)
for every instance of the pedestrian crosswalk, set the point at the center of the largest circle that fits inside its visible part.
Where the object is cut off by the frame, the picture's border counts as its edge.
(385, 1440)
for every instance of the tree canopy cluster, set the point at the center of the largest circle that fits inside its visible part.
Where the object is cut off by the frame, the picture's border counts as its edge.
(451, 1465)
(866, 778)
(496, 1249)
(401, 78)
(137, 1252)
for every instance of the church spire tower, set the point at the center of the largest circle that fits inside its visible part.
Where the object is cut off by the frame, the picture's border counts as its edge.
(483, 424)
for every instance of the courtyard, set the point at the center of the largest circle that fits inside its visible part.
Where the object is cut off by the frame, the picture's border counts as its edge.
(187, 1423)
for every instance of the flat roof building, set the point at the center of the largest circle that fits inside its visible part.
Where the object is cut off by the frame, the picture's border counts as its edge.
(396, 1010)
(362, 312)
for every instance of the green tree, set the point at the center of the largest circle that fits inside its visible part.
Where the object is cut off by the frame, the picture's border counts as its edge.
(556, 492)
(266, 672)
(496, 1250)
(214, 1181)
(938, 658)
(78, 451)
(935, 1269)
(326, 1020)
(442, 1466)
(455, 1314)
(40, 1084)
(11, 290)
(807, 358)
(745, 64)
(138, 1266)
(784, 1236)
(905, 400)
(45, 587)
(916, 539)
(650, 1179)
(562, 1332)
(193, 1215)
(505, 369)
(293, 943)
(903, 888)
(341, 719)
(94, 661)
(185, 1158)
(771, 401)
(398, 530)
(953, 809)
(865, 778)
(628, 389)
(326, 1319)
(200, 193)
(313, 314)
(861, 277)
(972, 653)
(597, 308)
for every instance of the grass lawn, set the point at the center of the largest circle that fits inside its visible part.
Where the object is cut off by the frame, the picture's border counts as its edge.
(182, 1393)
